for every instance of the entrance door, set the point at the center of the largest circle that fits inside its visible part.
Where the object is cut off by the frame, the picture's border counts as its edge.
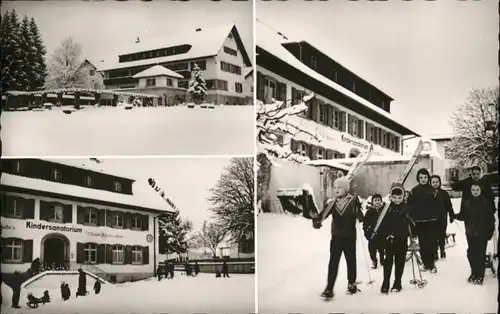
(53, 252)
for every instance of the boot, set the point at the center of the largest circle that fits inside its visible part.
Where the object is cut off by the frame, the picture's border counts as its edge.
(471, 278)
(478, 281)
(374, 264)
(352, 288)
(385, 288)
(396, 287)
(443, 254)
(327, 293)
(434, 270)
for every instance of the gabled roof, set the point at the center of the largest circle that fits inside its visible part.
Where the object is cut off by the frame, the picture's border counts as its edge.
(271, 42)
(157, 70)
(248, 71)
(206, 42)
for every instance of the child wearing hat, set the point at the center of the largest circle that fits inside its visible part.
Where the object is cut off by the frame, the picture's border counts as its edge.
(373, 210)
(345, 211)
(393, 235)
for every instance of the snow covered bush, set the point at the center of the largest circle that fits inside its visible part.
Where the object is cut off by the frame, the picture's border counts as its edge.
(137, 102)
(197, 86)
(273, 121)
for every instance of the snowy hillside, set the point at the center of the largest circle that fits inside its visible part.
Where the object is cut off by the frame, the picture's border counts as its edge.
(292, 266)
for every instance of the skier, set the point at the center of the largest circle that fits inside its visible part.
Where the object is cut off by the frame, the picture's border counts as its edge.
(424, 209)
(393, 236)
(346, 210)
(447, 209)
(373, 210)
(478, 217)
(476, 177)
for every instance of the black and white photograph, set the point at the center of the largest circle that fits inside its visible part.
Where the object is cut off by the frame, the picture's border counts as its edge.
(128, 235)
(113, 78)
(377, 151)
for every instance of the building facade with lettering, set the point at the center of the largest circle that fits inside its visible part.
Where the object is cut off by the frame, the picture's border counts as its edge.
(347, 112)
(218, 51)
(71, 214)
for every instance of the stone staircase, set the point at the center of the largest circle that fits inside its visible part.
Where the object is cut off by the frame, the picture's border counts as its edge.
(91, 269)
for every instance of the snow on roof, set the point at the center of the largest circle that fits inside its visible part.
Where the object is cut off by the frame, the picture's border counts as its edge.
(157, 70)
(248, 71)
(204, 43)
(270, 41)
(88, 164)
(335, 163)
(143, 196)
(440, 136)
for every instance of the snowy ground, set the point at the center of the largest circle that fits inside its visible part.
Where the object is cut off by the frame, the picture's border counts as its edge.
(292, 267)
(202, 294)
(225, 130)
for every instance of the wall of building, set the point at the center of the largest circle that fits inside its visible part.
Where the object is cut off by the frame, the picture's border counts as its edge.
(160, 81)
(24, 229)
(231, 78)
(94, 79)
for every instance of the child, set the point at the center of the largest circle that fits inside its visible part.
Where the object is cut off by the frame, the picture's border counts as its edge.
(393, 236)
(425, 206)
(345, 211)
(446, 209)
(478, 217)
(97, 287)
(373, 210)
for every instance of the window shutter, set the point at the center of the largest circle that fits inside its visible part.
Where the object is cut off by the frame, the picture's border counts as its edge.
(312, 152)
(4, 244)
(27, 251)
(145, 222)
(293, 145)
(341, 121)
(128, 254)
(360, 128)
(44, 210)
(260, 86)
(145, 255)
(109, 254)
(329, 115)
(349, 125)
(101, 253)
(80, 213)
(80, 253)
(109, 218)
(67, 213)
(329, 154)
(281, 91)
(312, 109)
(127, 220)
(29, 209)
(4, 200)
(101, 217)
(342, 155)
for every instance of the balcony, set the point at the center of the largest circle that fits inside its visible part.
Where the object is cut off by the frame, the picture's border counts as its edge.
(120, 81)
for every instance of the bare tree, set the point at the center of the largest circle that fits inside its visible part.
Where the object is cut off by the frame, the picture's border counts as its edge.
(210, 236)
(65, 66)
(274, 122)
(475, 125)
(232, 199)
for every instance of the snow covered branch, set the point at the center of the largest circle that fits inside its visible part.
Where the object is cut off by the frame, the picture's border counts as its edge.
(475, 125)
(273, 122)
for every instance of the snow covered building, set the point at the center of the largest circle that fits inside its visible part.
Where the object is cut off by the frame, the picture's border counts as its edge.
(347, 111)
(94, 77)
(72, 214)
(248, 84)
(218, 51)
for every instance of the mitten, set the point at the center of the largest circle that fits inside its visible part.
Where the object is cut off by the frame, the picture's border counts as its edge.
(452, 218)
(316, 223)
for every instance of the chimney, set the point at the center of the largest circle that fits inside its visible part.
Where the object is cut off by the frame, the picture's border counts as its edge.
(198, 29)
(137, 40)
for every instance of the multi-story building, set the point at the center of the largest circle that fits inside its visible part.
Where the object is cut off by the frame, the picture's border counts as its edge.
(248, 84)
(347, 111)
(71, 213)
(94, 78)
(218, 51)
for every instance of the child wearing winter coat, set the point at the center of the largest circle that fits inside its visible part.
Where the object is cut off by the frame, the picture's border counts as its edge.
(446, 211)
(478, 217)
(393, 235)
(369, 222)
(345, 210)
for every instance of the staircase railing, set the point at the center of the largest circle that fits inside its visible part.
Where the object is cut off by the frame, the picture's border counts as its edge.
(91, 269)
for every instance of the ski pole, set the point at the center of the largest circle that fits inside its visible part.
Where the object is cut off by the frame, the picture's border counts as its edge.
(370, 281)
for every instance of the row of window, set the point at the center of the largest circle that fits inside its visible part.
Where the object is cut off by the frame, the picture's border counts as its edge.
(22, 208)
(151, 82)
(170, 51)
(179, 66)
(329, 115)
(231, 68)
(230, 51)
(217, 85)
(56, 175)
(93, 253)
(314, 152)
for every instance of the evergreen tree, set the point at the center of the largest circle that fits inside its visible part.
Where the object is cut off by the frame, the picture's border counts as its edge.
(26, 56)
(11, 52)
(39, 65)
(173, 233)
(197, 86)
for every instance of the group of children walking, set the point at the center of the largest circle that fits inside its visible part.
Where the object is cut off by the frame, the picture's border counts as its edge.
(424, 212)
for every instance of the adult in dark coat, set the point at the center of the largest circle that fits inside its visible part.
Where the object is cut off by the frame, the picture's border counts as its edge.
(446, 211)
(424, 211)
(82, 283)
(16, 289)
(476, 176)
(196, 268)
(225, 270)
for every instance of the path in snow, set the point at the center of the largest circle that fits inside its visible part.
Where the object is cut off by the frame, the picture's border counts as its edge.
(292, 267)
(202, 294)
(226, 130)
